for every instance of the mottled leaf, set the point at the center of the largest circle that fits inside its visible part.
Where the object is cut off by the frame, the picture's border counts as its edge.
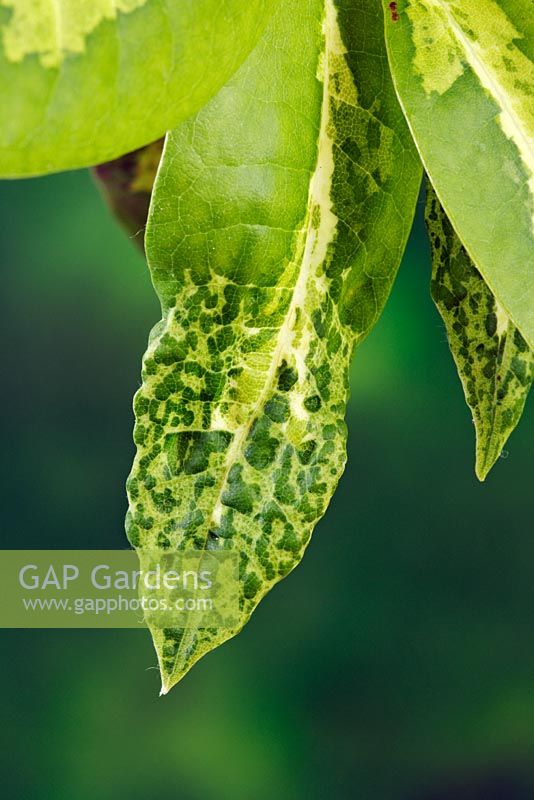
(495, 364)
(279, 216)
(464, 73)
(126, 184)
(84, 82)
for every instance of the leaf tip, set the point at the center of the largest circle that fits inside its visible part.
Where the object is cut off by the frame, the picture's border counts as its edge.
(486, 458)
(482, 471)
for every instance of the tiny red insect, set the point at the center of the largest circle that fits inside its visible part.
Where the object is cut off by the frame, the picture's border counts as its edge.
(394, 12)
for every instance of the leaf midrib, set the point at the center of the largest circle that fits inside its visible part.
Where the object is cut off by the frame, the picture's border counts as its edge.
(297, 299)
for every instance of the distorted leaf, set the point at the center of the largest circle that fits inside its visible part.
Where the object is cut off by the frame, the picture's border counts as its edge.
(279, 217)
(495, 364)
(82, 83)
(464, 73)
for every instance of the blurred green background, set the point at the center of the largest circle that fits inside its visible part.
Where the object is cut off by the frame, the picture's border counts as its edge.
(396, 663)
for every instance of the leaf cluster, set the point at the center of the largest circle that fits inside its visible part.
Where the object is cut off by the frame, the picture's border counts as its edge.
(276, 213)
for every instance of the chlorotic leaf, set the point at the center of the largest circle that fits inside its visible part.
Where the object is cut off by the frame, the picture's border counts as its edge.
(84, 82)
(495, 364)
(464, 73)
(126, 183)
(279, 217)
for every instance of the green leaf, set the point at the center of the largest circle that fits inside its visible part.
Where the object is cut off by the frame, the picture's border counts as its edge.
(464, 73)
(279, 217)
(495, 364)
(82, 83)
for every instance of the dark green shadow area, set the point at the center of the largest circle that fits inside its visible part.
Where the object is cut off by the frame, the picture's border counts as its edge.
(397, 663)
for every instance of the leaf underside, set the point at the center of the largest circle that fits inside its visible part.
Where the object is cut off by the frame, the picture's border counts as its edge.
(279, 217)
(126, 184)
(495, 364)
(464, 73)
(82, 83)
